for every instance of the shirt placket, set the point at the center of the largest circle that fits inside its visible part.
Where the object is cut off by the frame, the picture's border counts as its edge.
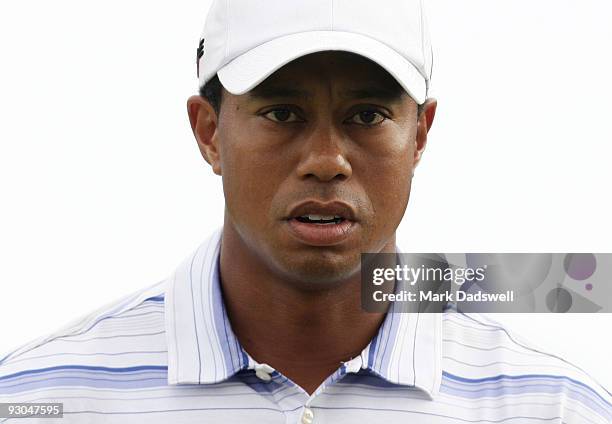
(298, 406)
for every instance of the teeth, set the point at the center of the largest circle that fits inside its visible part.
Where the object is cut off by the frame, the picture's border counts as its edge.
(321, 217)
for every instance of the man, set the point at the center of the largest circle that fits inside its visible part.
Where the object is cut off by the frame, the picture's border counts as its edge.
(315, 114)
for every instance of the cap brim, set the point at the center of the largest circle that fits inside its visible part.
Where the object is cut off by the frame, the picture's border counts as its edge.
(250, 69)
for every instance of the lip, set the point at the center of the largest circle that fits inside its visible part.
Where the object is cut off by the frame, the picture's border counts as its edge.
(321, 234)
(342, 209)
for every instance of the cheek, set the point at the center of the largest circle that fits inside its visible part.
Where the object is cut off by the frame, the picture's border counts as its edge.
(387, 177)
(250, 179)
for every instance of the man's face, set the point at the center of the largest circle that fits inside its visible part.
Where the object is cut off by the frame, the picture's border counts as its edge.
(317, 163)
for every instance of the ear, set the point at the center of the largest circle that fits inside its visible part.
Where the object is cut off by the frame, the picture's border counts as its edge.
(424, 123)
(203, 119)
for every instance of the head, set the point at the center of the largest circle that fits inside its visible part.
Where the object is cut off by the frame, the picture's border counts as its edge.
(329, 134)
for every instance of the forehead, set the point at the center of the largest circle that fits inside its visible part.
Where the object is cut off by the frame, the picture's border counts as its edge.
(347, 73)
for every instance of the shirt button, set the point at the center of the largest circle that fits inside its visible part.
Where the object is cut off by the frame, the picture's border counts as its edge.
(307, 416)
(354, 365)
(263, 371)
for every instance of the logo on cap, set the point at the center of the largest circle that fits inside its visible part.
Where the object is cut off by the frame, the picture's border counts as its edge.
(200, 54)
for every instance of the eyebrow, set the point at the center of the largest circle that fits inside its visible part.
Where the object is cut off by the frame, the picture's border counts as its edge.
(388, 94)
(264, 92)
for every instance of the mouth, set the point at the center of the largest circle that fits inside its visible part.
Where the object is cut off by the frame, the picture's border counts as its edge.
(321, 224)
(320, 219)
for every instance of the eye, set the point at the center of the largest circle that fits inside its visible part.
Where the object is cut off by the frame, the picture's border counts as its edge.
(282, 115)
(368, 118)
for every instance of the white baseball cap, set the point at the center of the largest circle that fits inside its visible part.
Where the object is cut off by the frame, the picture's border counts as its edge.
(245, 41)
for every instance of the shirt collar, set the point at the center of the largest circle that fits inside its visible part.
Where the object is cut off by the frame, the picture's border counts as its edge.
(203, 349)
(407, 350)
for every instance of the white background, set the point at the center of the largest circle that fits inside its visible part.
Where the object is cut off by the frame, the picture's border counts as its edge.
(103, 190)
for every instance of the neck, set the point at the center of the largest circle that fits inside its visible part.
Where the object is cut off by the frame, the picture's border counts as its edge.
(305, 335)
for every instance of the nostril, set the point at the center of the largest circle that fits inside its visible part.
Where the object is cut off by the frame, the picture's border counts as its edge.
(324, 167)
(338, 177)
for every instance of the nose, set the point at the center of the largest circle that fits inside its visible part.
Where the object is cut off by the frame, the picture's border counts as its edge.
(324, 157)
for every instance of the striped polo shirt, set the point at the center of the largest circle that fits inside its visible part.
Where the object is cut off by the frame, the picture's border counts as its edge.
(167, 354)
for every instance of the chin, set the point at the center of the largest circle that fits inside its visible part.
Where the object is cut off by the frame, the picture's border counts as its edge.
(320, 269)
